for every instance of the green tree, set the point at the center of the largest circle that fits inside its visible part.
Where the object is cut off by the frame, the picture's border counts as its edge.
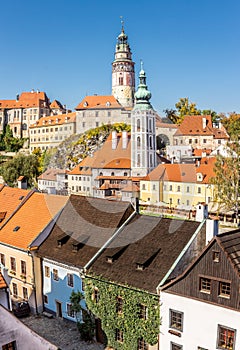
(227, 179)
(9, 143)
(232, 125)
(21, 165)
(85, 322)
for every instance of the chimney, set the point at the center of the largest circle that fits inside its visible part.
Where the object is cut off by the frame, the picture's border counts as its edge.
(17, 97)
(124, 139)
(204, 122)
(22, 182)
(201, 212)
(114, 139)
(211, 229)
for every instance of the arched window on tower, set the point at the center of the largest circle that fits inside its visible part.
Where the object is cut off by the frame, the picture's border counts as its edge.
(138, 124)
(150, 125)
(150, 142)
(120, 80)
(151, 161)
(138, 160)
(138, 142)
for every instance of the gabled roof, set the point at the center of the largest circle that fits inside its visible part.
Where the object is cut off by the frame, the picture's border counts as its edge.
(107, 157)
(229, 242)
(144, 251)
(30, 219)
(194, 125)
(186, 173)
(86, 223)
(58, 119)
(26, 100)
(51, 174)
(10, 200)
(56, 105)
(98, 102)
(3, 283)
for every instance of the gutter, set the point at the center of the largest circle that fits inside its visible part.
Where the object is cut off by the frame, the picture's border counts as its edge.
(180, 255)
(91, 261)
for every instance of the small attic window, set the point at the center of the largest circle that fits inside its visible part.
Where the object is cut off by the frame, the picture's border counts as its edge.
(85, 104)
(140, 267)
(62, 240)
(2, 215)
(21, 197)
(108, 104)
(109, 259)
(16, 228)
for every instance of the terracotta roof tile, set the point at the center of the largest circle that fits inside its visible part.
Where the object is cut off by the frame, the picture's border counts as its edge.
(31, 218)
(3, 283)
(56, 105)
(58, 119)
(98, 102)
(107, 157)
(26, 100)
(10, 200)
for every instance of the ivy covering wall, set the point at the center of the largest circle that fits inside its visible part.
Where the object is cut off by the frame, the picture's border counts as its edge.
(128, 321)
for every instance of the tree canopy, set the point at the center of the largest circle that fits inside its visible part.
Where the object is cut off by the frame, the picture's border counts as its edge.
(9, 143)
(232, 125)
(27, 166)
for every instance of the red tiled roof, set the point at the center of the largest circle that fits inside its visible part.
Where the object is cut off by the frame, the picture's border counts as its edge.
(107, 157)
(58, 119)
(10, 200)
(3, 283)
(30, 219)
(26, 100)
(98, 101)
(56, 104)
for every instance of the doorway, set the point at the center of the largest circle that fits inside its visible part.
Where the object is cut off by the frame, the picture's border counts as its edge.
(59, 309)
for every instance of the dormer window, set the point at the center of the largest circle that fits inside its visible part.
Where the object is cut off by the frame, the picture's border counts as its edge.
(199, 176)
(16, 228)
(62, 240)
(109, 259)
(85, 104)
(140, 267)
(108, 104)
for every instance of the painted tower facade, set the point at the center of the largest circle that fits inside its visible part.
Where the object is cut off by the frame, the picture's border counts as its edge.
(123, 75)
(143, 131)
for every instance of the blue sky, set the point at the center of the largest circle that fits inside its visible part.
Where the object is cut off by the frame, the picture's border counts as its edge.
(190, 48)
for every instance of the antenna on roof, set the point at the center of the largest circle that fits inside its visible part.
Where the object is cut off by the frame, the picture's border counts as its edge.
(122, 22)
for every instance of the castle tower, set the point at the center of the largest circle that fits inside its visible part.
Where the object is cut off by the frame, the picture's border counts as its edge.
(123, 75)
(143, 134)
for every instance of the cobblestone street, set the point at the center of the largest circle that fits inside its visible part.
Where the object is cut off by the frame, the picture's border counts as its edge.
(61, 333)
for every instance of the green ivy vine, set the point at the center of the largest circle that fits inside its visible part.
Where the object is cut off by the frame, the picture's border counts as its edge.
(128, 321)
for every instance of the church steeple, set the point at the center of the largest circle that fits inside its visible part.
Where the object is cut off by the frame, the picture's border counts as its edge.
(123, 75)
(142, 95)
(143, 131)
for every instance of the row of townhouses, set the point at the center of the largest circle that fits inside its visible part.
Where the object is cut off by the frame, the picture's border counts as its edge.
(149, 281)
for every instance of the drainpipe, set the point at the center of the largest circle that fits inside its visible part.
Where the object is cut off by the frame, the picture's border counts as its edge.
(33, 283)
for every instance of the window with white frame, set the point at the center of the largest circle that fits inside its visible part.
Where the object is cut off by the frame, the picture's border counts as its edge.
(205, 285)
(23, 268)
(13, 264)
(55, 275)
(25, 293)
(224, 289)
(15, 290)
(47, 271)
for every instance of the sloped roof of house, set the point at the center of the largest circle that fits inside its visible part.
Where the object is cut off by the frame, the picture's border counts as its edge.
(58, 119)
(56, 105)
(10, 200)
(144, 251)
(86, 223)
(107, 157)
(99, 102)
(51, 174)
(183, 172)
(26, 100)
(30, 219)
(3, 283)
(229, 242)
(200, 125)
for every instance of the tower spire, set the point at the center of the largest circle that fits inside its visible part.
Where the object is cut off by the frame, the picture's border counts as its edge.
(123, 75)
